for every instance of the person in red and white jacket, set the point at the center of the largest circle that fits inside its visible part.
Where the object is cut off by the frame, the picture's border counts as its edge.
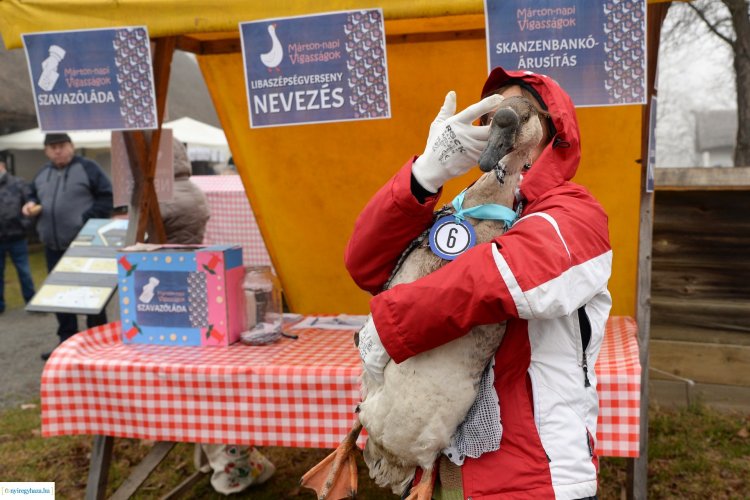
(546, 276)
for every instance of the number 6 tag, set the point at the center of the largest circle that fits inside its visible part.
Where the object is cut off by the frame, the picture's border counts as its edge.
(449, 237)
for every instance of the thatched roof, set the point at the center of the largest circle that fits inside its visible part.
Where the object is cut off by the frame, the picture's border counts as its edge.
(187, 96)
(16, 101)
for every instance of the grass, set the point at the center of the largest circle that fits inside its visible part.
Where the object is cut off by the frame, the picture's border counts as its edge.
(695, 453)
(12, 294)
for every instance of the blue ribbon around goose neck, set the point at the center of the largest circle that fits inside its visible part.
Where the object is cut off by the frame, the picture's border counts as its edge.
(489, 211)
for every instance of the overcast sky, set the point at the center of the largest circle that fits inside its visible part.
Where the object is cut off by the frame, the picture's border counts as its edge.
(696, 75)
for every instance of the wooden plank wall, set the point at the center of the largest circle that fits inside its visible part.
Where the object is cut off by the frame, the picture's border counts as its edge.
(700, 292)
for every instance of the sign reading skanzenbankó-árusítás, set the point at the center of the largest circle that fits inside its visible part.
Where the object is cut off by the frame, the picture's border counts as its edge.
(595, 50)
(318, 68)
(97, 79)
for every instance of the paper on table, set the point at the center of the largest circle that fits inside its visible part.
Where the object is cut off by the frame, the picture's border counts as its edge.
(340, 322)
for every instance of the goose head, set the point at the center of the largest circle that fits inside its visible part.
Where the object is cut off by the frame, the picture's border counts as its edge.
(516, 128)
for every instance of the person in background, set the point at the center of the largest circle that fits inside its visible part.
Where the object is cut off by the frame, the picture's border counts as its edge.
(230, 168)
(235, 467)
(185, 215)
(14, 193)
(67, 191)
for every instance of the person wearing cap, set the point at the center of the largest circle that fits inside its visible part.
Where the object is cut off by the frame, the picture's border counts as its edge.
(14, 193)
(67, 191)
(546, 277)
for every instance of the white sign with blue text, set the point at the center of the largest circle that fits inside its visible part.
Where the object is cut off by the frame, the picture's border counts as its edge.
(595, 50)
(98, 79)
(319, 68)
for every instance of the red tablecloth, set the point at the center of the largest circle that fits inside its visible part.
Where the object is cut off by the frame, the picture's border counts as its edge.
(297, 393)
(232, 220)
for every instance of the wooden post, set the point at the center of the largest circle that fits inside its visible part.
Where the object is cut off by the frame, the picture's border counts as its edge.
(101, 456)
(143, 151)
(136, 146)
(638, 468)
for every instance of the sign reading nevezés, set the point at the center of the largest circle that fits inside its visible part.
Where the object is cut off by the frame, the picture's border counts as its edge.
(97, 79)
(318, 68)
(595, 50)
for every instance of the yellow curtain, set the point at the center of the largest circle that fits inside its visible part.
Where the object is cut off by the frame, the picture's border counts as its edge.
(307, 183)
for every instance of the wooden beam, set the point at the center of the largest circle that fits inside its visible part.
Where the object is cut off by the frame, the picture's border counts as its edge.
(672, 393)
(181, 489)
(101, 456)
(135, 145)
(144, 469)
(442, 36)
(702, 178)
(638, 467)
(228, 44)
(459, 27)
(662, 330)
(145, 213)
(703, 362)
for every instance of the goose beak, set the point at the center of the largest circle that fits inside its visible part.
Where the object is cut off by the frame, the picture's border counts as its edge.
(503, 131)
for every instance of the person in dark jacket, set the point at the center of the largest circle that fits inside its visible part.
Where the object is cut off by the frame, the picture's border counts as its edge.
(67, 191)
(14, 193)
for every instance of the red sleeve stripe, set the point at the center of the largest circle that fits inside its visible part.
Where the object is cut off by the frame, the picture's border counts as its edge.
(552, 222)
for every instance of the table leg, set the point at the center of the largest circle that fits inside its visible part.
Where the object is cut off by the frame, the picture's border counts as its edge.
(200, 460)
(101, 456)
(144, 469)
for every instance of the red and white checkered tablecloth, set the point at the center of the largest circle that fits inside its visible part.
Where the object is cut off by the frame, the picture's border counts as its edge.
(618, 373)
(296, 393)
(232, 220)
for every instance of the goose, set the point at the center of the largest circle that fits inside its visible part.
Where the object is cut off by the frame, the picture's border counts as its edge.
(273, 57)
(401, 439)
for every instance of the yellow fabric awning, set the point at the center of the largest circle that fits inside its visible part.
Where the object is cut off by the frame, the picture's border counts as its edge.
(179, 17)
(308, 183)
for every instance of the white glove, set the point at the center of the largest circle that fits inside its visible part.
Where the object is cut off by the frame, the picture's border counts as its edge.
(454, 144)
(371, 351)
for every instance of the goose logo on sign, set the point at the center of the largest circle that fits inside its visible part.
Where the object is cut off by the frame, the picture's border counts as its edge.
(450, 237)
(49, 68)
(315, 68)
(273, 57)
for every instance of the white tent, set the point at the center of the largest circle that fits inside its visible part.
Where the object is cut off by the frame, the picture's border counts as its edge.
(34, 139)
(204, 141)
(197, 135)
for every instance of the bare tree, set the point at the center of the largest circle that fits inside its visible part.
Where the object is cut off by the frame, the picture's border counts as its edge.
(729, 20)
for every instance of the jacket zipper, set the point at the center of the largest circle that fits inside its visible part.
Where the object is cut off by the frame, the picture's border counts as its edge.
(585, 327)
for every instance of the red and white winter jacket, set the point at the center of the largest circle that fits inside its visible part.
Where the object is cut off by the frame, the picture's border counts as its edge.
(547, 277)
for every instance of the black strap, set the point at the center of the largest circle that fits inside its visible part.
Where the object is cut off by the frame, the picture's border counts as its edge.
(585, 327)
(583, 321)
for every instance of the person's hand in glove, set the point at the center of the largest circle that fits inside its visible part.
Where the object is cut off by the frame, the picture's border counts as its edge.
(371, 351)
(454, 144)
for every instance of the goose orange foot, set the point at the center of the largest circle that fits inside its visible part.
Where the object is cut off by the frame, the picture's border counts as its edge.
(335, 477)
(423, 489)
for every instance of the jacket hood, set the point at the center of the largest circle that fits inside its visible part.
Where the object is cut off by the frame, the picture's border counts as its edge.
(182, 166)
(559, 160)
